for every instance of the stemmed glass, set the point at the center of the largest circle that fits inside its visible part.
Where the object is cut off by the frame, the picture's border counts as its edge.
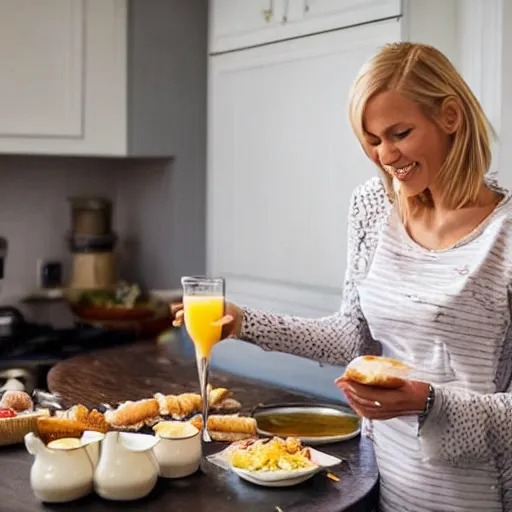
(203, 305)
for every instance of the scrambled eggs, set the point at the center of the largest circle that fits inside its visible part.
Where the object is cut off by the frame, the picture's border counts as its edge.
(272, 455)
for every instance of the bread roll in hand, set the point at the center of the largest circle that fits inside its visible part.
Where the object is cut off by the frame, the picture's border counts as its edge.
(378, 371)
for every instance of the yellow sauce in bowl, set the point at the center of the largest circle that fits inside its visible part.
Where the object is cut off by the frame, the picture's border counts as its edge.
(307, 424)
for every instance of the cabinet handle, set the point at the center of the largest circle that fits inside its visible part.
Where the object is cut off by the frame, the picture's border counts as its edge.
(286, 10)
(268, 13)
(306, 6)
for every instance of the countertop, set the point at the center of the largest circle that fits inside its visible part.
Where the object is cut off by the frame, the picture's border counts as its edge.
(139, 370)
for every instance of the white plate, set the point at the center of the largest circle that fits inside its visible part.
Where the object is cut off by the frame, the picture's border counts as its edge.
(320, 410)
(284, 478)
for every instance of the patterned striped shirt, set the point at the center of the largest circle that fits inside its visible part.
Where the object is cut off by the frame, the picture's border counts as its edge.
(447, 313)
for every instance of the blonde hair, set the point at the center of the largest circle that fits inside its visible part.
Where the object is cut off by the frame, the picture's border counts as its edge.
(426, 76)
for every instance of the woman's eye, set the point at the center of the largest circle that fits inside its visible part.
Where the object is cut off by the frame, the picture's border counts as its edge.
(402, 135)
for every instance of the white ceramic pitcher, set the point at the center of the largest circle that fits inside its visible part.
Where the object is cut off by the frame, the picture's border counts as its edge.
(127, 469)
(60, 475)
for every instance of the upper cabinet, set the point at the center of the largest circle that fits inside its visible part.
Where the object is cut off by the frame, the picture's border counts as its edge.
(97, 77)
(235, 24)
(31, 68)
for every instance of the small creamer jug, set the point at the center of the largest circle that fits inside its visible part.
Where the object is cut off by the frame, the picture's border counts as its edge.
(127, 469)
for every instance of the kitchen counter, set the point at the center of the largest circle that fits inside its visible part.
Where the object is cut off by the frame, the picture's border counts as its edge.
(139, 370)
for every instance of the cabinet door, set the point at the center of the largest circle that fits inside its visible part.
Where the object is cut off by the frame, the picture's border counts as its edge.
(282, 164)
(236, 24)
(311, 16)
(63, 78)
(42, 63)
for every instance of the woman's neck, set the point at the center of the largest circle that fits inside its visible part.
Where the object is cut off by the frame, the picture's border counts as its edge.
(484, 199)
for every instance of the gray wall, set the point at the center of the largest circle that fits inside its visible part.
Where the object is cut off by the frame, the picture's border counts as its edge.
(164, 203)
(158, 243)
(34, 212)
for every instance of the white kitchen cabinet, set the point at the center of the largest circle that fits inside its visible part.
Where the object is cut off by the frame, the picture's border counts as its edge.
(93, 77)
(235, 24)
(41, 49)
(282, 164)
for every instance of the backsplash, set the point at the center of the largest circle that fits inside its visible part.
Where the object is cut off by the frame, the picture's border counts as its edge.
(34, 211)
(35, 217)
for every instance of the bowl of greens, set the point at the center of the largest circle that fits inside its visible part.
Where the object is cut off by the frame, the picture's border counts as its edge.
(122, 302)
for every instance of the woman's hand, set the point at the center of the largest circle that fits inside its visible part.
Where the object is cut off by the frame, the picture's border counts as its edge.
(231, 322)
(383, 404)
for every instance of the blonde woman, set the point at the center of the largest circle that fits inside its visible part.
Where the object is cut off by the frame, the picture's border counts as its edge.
(428, 282)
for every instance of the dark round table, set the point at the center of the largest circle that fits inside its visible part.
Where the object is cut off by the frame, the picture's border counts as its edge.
(138, 371)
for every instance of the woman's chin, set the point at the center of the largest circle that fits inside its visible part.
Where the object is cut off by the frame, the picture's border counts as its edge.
(411, 188)
(411, 191)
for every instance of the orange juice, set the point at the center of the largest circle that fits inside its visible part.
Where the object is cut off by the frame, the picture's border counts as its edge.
(200, 312)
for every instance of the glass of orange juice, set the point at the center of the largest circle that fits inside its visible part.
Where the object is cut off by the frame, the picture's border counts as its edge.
(203, 304)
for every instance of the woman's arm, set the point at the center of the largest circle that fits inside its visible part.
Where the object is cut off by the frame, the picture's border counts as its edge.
(333, 339)
(338, 338)
(465, 427)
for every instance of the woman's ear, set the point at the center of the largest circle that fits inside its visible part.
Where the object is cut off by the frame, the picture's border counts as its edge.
(450, 116)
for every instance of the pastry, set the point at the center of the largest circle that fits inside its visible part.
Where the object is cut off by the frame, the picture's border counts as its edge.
(228, 405)
(182, 406)
(19, 401)
(217, 395)
(134, 415)
(50, 429)
(378, 371)
(179, 406)
(227, 427)
(94, 420)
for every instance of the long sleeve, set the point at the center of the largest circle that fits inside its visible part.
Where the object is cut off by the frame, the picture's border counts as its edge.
(338, 338)
(465, 427)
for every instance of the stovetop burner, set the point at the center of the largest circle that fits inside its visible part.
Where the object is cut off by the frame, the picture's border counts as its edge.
(30, 352)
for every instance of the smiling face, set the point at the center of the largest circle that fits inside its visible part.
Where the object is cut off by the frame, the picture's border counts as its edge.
(404, 142)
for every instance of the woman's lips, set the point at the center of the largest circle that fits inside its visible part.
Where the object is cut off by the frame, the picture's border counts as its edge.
(402, 173)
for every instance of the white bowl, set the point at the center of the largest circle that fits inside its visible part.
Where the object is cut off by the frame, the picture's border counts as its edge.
(277, 478)
(283, 478)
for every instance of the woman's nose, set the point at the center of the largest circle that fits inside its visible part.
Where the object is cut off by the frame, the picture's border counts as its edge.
(388, 153)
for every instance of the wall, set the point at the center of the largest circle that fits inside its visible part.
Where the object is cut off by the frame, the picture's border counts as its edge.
(34, 212)
(505, 172)
(166, 201)
(35, 216)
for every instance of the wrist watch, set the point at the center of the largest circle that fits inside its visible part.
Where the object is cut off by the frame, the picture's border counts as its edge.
(429, 403)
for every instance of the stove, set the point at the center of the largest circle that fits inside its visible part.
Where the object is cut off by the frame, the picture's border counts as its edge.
(30, 351)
